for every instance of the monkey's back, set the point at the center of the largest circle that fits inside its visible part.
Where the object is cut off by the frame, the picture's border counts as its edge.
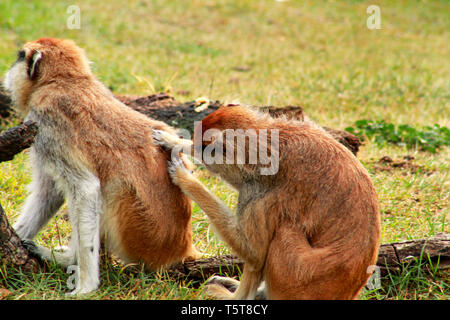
(326, 183)
(328, 212)
(147, 217)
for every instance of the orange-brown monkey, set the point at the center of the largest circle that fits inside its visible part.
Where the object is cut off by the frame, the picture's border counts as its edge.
(99, 154)
(309, 228)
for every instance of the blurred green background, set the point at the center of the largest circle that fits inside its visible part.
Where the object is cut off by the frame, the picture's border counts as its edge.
(319, 54)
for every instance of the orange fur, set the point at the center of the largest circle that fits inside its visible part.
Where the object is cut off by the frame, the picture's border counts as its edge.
(311, 230)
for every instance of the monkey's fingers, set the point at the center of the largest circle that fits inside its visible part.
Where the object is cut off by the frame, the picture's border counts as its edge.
(164, 139)
(177, 168)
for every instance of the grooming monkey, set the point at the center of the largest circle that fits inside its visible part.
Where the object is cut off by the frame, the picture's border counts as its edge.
(308, 230)
(99, 155)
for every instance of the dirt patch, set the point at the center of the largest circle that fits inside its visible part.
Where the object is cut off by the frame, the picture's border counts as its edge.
(405, 164)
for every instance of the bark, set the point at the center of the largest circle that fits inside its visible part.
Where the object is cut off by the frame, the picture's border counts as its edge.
(397, 254)
(5, 103)
(12, 252)
(16, 139)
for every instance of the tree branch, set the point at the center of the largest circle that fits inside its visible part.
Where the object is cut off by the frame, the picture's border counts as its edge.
(16, 139)
(12, 252)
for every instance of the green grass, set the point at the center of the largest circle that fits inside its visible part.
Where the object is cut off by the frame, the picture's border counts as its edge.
(418, 280)
(318, 54)
(430, 138)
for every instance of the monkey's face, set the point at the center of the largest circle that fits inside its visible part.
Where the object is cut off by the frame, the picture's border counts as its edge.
(43, 61)
(18, 80)
(229, 142)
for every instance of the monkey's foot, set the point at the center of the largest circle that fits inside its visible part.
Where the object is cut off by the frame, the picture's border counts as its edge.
(218, 291)
(84, 283)
(192, 255)
(226, 282)
(81, 291)
(32, 248)
(61, 249)
(62, 255)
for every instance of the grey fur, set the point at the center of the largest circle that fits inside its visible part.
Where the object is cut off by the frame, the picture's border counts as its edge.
(57, 176)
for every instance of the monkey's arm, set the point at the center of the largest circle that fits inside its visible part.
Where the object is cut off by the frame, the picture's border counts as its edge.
(223, 219)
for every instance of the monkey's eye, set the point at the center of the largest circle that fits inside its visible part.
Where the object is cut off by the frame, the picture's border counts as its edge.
(21, 55)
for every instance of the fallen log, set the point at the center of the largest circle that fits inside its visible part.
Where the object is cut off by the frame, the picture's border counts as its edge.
(391, 257)
(159, 106)
(165, 108)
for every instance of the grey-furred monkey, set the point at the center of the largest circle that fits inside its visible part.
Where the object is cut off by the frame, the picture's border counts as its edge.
(99, 155)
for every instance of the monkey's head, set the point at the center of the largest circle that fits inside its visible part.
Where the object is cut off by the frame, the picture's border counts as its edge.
(230, 116)
(236, 142)
(41, 62)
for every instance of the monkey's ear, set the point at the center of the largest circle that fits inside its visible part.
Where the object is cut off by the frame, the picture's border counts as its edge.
(33, 64)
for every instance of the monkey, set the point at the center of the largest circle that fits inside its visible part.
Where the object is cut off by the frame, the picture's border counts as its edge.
(99, 155)
(308, 228)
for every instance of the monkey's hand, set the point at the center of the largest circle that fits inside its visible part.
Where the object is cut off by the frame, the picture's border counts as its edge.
(172, 142)
(177, 169)
(165, 139)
